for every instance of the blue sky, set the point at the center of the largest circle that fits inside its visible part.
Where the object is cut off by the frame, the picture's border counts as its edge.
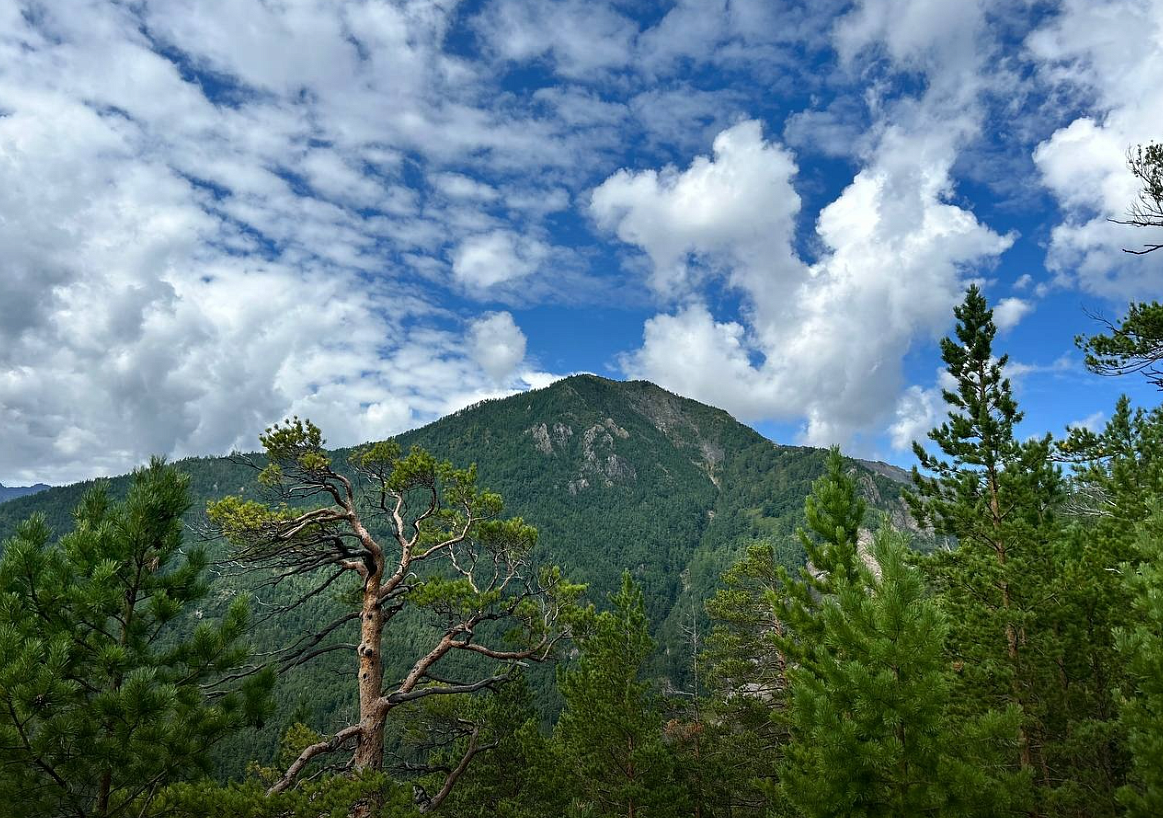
(214, 214)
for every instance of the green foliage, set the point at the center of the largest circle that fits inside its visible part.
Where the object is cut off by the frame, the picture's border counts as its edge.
(1134, 344)
(111, 685)
(1141, 645)
(609, 739)
(871, 733)
(834, 512)
(1028, 589)
(333, 797)
(512, 775)
(703, 489)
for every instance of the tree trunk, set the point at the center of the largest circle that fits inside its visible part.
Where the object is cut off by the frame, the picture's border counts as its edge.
(369, 752)
(369, 749)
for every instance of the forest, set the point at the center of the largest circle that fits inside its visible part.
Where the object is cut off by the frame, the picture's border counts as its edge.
(754, 631)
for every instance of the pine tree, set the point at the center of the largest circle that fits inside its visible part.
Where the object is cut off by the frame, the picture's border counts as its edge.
(110, 686)
(1141, 644)
(872, 734)
(610, 735)
(509, 777)
(424, 551)
(767, 621)
(834, 512)
(746, 680)
(1020, 588)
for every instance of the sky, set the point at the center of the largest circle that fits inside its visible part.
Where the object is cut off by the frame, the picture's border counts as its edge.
(218, 213)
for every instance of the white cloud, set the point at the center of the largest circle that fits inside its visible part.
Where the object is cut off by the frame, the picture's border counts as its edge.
(1110, 52)
(480, 262)
(916, 413)
(580, 36)
(459, 186)
(497, 344)
(1092, 422)
(823, 342)
(1009, 312)
(178, 273)
(735, 208)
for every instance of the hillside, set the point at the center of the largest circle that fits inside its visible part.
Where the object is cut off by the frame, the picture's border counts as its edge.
(615, 476)
(12, 492)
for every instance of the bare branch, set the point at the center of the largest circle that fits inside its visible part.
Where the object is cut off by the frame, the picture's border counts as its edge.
(450, 781)
(310, 752)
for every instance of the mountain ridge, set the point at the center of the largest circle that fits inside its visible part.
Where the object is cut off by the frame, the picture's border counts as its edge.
(12, 492)
(616, 475)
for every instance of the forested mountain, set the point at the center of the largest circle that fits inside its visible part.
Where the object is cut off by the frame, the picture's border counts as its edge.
(12, 492)
(616, 476)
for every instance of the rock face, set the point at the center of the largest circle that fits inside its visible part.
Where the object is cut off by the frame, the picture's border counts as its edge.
(666, 413)
(599, 463)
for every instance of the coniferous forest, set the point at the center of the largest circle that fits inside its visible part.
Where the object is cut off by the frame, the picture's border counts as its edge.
(602, 599)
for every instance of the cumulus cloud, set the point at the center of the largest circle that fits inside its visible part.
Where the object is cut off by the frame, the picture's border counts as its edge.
(494, 258)
(821, 341)
(497, 344)
(580, 37)
(735, 208)
(1009, 312)
(179, 270)
(916, 413)
(1107, 53)
(215, 214)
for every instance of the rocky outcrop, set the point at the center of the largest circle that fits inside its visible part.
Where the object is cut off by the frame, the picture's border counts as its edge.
(666, 413)
(599, 458)
(600, 463)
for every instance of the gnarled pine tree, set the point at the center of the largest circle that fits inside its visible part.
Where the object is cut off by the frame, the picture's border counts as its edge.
(418, 536)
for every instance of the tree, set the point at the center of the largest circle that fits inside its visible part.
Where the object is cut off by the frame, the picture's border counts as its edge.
(1146, 163)
(414, 536)
(767, 621)
(1135, 343)
(1118, 471)
(609, 736)
(746, 678)
(111, 683)
(1141, 644)
(871, 730)
(1132, 345)
(834, 512)
(997, 496)
(1029, 585)
(513, 776)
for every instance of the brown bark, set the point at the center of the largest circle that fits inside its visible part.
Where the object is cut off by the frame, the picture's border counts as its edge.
(369, 751)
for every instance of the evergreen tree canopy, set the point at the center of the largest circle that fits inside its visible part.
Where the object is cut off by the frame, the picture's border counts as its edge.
(1134, 344)
(1141, 644)
(609, 737)
(834, 511)
(110, 687)
(871, 731)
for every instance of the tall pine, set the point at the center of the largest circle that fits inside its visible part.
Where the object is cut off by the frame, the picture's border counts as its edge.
(609, 738)
(111, 686)
(1019, 583)
(1141, 643)
(871, 730)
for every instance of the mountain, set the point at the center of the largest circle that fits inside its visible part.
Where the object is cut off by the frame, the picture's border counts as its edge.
(615, 475)
(12, 492)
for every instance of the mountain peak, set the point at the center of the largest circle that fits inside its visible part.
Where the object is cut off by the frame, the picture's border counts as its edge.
(12, 492)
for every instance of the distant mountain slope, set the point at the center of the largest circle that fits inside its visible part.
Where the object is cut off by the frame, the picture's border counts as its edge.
(615, 475)
(12, 492)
